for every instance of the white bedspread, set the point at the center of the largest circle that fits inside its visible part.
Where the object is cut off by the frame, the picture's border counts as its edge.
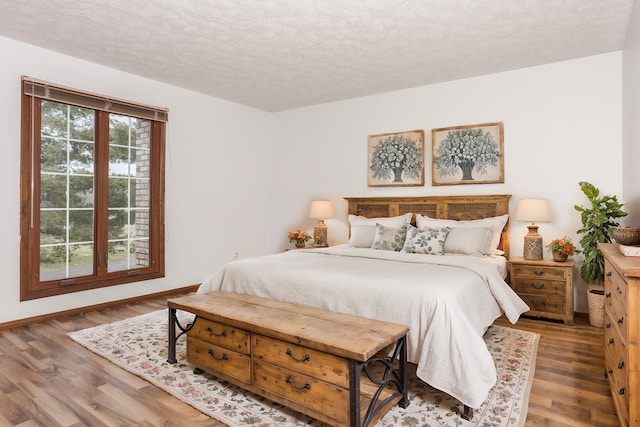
(447, 302)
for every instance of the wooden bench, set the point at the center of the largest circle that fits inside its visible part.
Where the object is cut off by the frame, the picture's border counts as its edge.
(331, 366)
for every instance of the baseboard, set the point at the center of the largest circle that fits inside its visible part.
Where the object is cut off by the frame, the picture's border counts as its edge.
(78, 310)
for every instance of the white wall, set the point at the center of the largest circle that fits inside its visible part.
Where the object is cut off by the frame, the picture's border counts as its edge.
(631, 119)
(562, 124)
(216, 180)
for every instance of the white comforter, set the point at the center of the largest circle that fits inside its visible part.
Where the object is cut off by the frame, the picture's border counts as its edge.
(447, 302)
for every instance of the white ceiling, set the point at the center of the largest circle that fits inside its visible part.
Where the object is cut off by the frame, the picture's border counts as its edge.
(280, 54)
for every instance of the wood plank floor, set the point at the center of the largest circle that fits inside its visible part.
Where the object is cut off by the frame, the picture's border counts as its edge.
(48, 380)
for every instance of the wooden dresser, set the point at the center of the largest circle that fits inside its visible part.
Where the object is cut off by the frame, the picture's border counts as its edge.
(315, 361)
(545, 285)
(622, 332)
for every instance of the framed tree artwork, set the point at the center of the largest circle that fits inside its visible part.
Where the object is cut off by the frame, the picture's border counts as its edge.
(472, 154)
(396, 159)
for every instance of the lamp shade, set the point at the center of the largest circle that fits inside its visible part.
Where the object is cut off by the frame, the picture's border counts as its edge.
(321, 209)
(533, 210)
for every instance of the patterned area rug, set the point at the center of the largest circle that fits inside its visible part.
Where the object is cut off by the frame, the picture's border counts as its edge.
(139, 345)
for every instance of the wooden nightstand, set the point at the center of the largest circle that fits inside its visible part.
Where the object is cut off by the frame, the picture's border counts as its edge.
(546, 286)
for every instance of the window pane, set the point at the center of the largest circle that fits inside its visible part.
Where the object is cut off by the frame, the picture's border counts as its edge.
(53, 191)
(53, 155)
(81, 157)
(118, 224)
(54, 119)
(66, 184)
(129, 192)
(81, 123)
(81, 226)
(53, 227)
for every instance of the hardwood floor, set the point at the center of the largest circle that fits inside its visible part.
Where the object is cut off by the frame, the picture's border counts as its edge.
(48, 380)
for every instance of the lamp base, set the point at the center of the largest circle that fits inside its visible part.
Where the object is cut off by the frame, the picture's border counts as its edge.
(320, 234)
(532, 244)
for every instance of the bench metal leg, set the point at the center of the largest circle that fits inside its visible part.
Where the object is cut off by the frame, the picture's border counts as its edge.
(394, 377)
(467, 414)
(172, 338)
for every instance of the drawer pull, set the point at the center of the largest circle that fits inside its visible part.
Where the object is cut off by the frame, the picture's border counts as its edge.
(611, 341)
(608, 274)
(608, 325)
(537, 285)
(608, 295)
(213, 355)
(620, 320)
(306, 385)
(221, 334)
(304, 358)
(621, 364)
(621, 391)
(538, 272)
(539, 304)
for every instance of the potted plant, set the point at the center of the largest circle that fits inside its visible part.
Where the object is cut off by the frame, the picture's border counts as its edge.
(598, 221)
(299, 238)
(561, 249)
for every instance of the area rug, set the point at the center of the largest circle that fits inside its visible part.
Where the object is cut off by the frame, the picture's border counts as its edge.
(139, 345)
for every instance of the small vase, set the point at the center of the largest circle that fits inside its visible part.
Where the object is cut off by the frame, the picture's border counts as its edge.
(300, 244)
(558, 257)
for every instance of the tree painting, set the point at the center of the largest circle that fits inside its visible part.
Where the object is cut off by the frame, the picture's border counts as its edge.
(468, 154)
(396, 159)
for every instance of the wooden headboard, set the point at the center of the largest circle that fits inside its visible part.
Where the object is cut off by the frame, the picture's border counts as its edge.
(442, 207)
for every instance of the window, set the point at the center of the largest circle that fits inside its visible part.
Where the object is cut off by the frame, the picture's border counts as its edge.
(92, 191)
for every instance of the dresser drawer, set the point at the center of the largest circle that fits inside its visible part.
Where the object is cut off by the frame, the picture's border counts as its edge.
(542, 287)
(615, 317)
(615, 286)
(219, 359)
(305, 390)
(539, 272)
(620, 394)
(301, 359)
(616, 362)
(220, 334)
(543, 304)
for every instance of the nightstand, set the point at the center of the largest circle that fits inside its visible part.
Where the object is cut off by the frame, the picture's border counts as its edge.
(546, 286)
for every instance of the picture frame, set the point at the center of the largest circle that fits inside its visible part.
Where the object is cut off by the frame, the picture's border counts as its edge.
(396, 159)
(470, 154)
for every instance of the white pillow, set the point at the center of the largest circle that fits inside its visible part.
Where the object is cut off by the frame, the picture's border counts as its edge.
(363, 230)
(468, 241)
(496, 224)
(425, 240)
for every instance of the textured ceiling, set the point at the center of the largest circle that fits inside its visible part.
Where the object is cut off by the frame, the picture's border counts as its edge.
(280, 54)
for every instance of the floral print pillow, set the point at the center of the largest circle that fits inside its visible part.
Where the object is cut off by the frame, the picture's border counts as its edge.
(389, 238)
(426, 240)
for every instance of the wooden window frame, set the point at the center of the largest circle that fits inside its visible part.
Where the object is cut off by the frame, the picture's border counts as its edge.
(30, 285)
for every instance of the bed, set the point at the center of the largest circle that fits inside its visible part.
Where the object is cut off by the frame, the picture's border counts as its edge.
(447, 299)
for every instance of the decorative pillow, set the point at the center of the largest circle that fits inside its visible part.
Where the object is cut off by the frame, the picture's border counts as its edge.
(496, 224)
(363, 230)
(389, 238)
(468, 241)
(426, 240)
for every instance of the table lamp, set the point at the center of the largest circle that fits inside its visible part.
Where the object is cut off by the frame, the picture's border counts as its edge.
(533, 210)
(320, 210)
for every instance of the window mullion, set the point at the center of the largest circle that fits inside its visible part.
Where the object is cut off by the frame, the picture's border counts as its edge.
(101, 192)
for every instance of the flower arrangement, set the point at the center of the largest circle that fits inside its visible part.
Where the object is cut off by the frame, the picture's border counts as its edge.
(562, 246)
(299, 237)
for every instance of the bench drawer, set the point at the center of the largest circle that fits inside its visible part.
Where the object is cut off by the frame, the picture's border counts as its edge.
(301, 359)
(305, 390)
(220, 359)
(220, 334)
